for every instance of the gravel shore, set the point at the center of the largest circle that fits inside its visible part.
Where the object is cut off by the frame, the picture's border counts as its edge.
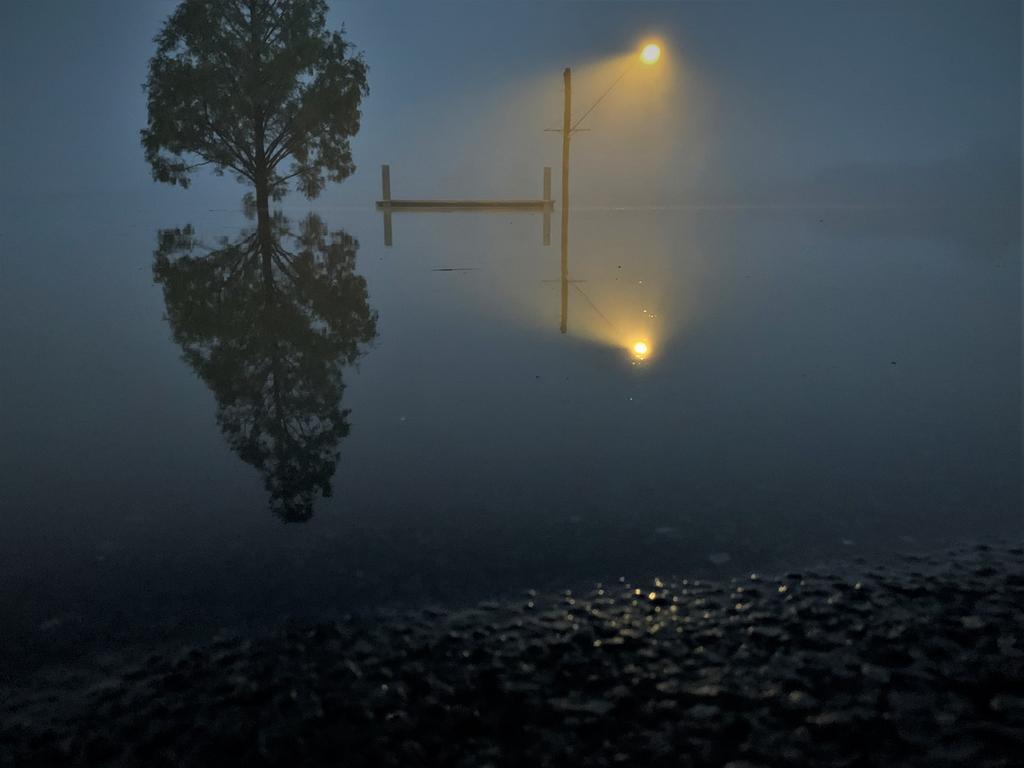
(916, 663)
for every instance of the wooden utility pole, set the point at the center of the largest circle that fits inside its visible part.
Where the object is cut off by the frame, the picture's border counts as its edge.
(546, 232)
(566, 129)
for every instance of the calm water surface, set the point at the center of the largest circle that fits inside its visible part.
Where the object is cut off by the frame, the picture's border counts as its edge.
(194, 436)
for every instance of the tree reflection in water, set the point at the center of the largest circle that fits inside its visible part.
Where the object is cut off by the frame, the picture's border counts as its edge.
(270, 331)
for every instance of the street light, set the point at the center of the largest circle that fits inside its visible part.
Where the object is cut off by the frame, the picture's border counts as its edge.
(649, 55)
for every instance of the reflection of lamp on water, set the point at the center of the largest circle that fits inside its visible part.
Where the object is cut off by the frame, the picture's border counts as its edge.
(640, 350)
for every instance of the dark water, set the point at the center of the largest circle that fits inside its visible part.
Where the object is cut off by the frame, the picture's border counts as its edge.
(818, 382)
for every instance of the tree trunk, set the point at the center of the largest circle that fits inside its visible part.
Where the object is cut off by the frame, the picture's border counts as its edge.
(264, 232)
(262, 197)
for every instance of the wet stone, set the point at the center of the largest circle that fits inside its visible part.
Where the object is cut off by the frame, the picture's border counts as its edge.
(919, 666)
(703, 712)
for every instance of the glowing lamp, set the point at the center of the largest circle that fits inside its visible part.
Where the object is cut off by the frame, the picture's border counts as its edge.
(640, 350)
(650, 54)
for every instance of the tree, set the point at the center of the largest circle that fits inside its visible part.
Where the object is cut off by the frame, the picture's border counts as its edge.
(269, 330)
(246, 85)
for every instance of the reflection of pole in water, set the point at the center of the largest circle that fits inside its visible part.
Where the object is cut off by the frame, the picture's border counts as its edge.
(566, 123)
(547, 205)
(564, 325)
(385, 184)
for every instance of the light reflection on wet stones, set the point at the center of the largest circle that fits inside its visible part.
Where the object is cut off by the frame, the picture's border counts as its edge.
(921, 665)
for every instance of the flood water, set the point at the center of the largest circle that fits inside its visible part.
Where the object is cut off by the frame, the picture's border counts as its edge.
(818, 383)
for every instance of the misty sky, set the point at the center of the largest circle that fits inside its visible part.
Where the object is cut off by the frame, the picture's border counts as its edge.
(759, 103)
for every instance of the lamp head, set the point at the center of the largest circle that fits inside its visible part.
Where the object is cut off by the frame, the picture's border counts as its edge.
(650, 53)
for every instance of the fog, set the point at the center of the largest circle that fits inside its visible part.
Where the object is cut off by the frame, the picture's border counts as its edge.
(809, 212)
(787, 103)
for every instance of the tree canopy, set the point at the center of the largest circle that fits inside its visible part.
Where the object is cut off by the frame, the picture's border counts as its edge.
(258, 88)
(269, 329)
